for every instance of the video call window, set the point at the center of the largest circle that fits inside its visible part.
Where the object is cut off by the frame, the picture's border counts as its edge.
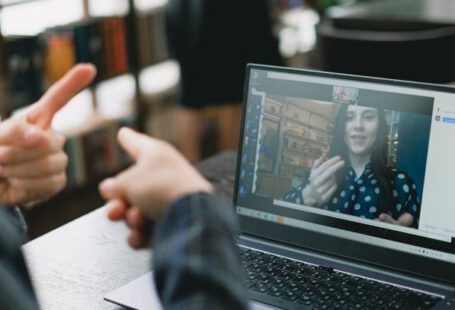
(341, 156)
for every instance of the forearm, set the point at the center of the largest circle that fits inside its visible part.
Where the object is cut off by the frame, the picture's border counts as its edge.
(196, 262)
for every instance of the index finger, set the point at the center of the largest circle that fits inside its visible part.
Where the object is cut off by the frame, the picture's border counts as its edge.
(329, 163)
(60, 93)
(318, 162)
(328, 173)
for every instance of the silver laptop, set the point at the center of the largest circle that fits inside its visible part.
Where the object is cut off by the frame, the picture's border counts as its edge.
(344, 192)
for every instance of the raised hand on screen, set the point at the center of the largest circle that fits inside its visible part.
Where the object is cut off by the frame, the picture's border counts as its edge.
(322, 183)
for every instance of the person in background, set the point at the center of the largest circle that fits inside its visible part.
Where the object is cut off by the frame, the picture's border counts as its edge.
(213, 41)
(356, 180)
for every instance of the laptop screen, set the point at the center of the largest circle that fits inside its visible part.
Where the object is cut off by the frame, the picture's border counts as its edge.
(366, 160)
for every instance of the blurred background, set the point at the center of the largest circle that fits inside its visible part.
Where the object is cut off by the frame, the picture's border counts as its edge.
(149, 80)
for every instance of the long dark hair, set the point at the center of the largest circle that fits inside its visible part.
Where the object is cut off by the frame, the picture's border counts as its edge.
(378, 157)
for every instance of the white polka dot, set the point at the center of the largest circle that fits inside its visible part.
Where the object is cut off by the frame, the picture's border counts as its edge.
(377, 190)
(357, 206)
(353, 197)
(359, 181)
(362, 189)
(351, 187)
(346, 204)
(367, 198)
(373, 210)
(417, 198)
(414, 208)
(395, 193)
(343, 193)
(350, 172)
(370, 176)
(406, 188)
(401, 176)
(297, 200)
(374, 181)
(391, 182)
(399, 207)
(293, 195)
(413, 186)
(335, 200)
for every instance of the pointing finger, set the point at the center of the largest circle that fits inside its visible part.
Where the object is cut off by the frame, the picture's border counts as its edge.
(133, 142)
(60, 93)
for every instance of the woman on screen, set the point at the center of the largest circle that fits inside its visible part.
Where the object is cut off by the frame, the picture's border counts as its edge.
(355, 179)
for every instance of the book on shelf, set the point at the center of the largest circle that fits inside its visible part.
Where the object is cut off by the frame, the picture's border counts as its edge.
(151, 38)
(89, 45)
(115, 54)
(60, 54)
(23, 73)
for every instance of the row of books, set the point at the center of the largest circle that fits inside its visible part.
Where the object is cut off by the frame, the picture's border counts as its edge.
(96, 153)
(308, 133)
(35, 62)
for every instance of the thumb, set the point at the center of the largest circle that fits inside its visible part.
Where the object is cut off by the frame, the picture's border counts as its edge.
(133, 142)
(384, 217)
(60, 93)
(16, 132)
(111, 189)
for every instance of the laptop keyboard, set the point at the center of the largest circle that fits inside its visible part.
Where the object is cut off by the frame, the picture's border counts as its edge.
(291, 284)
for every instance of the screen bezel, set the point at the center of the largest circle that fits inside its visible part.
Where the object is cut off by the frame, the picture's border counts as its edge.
(367, 253)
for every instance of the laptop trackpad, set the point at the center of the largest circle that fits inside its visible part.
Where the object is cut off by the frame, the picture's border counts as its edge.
(140, 294)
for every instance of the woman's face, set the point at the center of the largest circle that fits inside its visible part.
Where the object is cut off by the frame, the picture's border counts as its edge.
(361, 129)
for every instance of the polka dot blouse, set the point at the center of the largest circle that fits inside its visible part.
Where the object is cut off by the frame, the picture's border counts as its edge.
(360, 197)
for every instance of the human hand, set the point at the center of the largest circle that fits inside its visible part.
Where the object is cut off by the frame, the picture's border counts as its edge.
(405, 219)
(32, 161)
(141, 228)
(322, 183)
(158, 177)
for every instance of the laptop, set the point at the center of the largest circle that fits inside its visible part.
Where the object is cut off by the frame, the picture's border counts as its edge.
(344, 192)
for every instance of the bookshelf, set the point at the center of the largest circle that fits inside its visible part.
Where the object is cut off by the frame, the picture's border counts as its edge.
(136, 85)
(123, 38)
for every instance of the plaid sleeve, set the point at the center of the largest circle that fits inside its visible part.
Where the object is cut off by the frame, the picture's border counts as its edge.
(196, 262)
(15, 287)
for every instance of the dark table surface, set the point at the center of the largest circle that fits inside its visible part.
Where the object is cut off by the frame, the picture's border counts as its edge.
(74, 266)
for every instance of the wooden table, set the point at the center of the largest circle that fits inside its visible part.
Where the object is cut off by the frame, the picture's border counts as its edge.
(74, 266)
